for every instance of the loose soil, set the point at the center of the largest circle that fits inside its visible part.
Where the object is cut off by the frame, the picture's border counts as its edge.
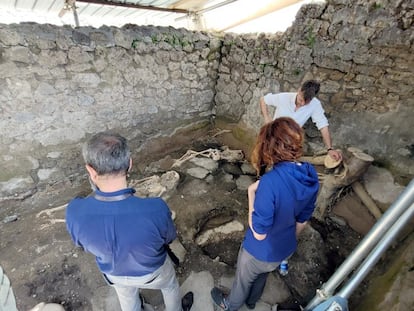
(43, 265)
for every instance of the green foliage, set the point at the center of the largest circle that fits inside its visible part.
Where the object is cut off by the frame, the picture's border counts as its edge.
(311, 37)
(135, 43)
(171, 39)
(377, 6)
(154, 38)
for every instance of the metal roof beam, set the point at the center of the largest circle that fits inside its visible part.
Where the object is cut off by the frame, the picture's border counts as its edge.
(134, 6)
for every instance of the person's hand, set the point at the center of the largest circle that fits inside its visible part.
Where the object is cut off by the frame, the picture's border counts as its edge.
(335, 154)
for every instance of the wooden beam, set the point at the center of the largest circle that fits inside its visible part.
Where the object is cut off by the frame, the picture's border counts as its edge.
(134, 6)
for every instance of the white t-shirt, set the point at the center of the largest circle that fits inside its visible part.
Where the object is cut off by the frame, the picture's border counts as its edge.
(285, 107)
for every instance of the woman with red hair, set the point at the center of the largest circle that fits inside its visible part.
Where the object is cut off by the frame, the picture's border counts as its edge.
(280, 204)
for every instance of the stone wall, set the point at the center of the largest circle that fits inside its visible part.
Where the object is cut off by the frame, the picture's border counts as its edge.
(360, 51)
(59, 85)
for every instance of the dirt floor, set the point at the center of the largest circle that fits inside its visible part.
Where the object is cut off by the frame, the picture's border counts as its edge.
(43, 265)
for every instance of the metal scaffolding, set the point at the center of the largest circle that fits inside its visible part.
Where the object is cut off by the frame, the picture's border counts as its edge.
(370, 248)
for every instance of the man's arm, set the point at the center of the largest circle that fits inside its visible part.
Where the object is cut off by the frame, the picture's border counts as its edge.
(265, 111)
(299, 227)
(326, 136)
(251, 193)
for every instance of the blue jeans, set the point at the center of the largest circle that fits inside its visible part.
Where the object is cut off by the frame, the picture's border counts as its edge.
(250, 280)
(164, 279)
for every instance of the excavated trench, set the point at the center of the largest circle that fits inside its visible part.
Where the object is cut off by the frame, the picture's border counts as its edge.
(209, 202)
(216, 220)
(222, 246)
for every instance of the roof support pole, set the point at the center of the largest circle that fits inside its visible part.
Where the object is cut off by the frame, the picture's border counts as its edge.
(75, 15)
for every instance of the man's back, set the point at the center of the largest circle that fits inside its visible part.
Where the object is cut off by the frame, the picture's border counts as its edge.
(285, 107)
(127, 236)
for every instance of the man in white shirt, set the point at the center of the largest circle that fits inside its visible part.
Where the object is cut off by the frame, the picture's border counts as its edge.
(301, 106)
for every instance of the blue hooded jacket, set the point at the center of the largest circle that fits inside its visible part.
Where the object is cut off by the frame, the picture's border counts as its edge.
(285, 195)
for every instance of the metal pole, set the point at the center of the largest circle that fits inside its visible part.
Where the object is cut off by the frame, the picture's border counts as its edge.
(405, 199)
(75, 16)
(375, 255)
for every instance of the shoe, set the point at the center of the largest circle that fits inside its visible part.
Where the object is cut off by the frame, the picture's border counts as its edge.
(219, 298)
(250, 306)
(187, 301)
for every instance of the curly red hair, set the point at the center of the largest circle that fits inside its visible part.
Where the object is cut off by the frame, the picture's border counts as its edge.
(278, 141)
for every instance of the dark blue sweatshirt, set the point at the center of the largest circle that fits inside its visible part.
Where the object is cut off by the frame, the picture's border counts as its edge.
(285, 195)
(127, 237)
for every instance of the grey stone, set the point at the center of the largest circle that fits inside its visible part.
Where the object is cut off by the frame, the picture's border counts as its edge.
(10, 36)
(244, 181)
(87, 79)
(178, 249)
(10, 218)
(381, 186)
(198, 172)
(216, 233)
(231, 168)
(20, 54)
(45, 174)
(15, 185)
(248, 169)
(206, 163)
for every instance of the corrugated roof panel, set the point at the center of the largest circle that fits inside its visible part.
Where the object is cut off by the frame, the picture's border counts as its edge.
(7, 3)
(144, 2)
(121, 11)
(104, 10)
(56, 6)
(81, 8)
(23, 5)
(41, 5)
(164, 3)
(97, 10)
(222, 15)
(114, 12)
(89, 9)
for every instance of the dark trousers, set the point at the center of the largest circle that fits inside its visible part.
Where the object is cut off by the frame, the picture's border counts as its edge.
(250, 280)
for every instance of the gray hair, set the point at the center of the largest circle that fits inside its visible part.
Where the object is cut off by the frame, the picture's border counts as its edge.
(107, 153)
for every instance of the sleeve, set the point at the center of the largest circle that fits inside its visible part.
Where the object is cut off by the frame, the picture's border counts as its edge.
(70, 225)
(270, 99)
(264, 207)
(318, 115)
(306, 213)
(170, 232)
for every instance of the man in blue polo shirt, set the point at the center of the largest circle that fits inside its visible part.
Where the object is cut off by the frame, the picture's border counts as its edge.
(301, 106)
(128, 235)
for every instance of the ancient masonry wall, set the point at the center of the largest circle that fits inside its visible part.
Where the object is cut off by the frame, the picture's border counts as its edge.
(59, 85)
(361, 52)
